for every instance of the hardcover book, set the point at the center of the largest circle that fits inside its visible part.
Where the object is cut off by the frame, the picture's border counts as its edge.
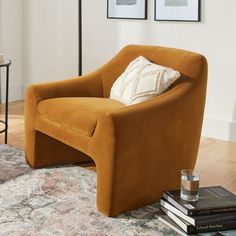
(212, 200)
(170, 223)
(199, 219)
(190, 229)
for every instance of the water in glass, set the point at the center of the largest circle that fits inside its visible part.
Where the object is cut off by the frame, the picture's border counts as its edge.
(189, 186)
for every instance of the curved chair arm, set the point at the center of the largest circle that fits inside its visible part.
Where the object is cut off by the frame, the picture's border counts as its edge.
(170, 125)
(85, 86)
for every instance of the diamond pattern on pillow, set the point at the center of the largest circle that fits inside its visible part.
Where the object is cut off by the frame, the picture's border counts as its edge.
(142, 80)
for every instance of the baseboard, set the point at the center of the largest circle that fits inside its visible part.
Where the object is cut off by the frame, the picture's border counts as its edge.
(14, 94)
(219, 129)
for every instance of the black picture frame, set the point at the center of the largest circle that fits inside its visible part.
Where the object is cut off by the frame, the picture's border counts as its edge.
(130, 9)
(181, 10)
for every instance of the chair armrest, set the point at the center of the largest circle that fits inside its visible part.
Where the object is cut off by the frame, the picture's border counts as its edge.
(177, 103)
(84, 86)
(175, 116)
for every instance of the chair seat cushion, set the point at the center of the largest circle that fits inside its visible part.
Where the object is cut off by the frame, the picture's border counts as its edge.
(78, 113)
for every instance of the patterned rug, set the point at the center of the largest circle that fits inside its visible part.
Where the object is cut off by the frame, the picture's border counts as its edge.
(61, 201)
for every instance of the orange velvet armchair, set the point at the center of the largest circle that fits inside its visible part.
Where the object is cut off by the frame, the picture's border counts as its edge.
(138, 150)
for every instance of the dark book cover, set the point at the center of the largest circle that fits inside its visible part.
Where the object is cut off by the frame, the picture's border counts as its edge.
(190, 229)
(215, 199)
(171, 224)
(199, 219)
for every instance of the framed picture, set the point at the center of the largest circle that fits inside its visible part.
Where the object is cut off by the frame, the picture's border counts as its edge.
(177, 10)
(127, 9)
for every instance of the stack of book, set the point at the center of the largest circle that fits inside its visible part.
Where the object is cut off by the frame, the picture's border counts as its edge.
(214, 211)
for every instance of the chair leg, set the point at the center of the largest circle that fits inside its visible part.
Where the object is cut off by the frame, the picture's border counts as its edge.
(42, 150)
(128, 186)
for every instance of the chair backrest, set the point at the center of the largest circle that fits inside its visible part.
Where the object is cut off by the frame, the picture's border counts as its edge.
(191, 65)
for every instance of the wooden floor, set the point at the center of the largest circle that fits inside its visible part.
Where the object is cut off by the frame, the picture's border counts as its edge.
(15, 124)
(216, 159)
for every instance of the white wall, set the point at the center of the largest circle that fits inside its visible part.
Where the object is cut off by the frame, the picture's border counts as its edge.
(214, 36)
(103, 37)
(99, 34)
(41, 39)
(11, 41)
(50, 40)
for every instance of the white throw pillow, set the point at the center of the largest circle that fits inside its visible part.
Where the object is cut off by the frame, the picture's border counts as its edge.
(142, 80)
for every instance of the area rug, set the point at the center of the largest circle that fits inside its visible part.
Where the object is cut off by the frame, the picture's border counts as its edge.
(62, 201)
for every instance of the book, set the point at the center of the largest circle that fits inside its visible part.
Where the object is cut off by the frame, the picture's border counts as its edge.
(199, 219)
(215, 199)
(191, 229)
(171, 224)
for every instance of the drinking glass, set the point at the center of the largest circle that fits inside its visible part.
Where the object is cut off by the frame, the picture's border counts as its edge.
(189, 185)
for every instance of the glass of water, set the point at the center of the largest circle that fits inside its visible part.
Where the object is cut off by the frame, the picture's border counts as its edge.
(189, 185)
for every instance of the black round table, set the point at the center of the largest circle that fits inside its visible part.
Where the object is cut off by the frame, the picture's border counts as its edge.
(5, 63)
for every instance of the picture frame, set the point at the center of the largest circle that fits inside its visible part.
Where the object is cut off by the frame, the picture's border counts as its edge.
(127, 9)
(177, 10)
